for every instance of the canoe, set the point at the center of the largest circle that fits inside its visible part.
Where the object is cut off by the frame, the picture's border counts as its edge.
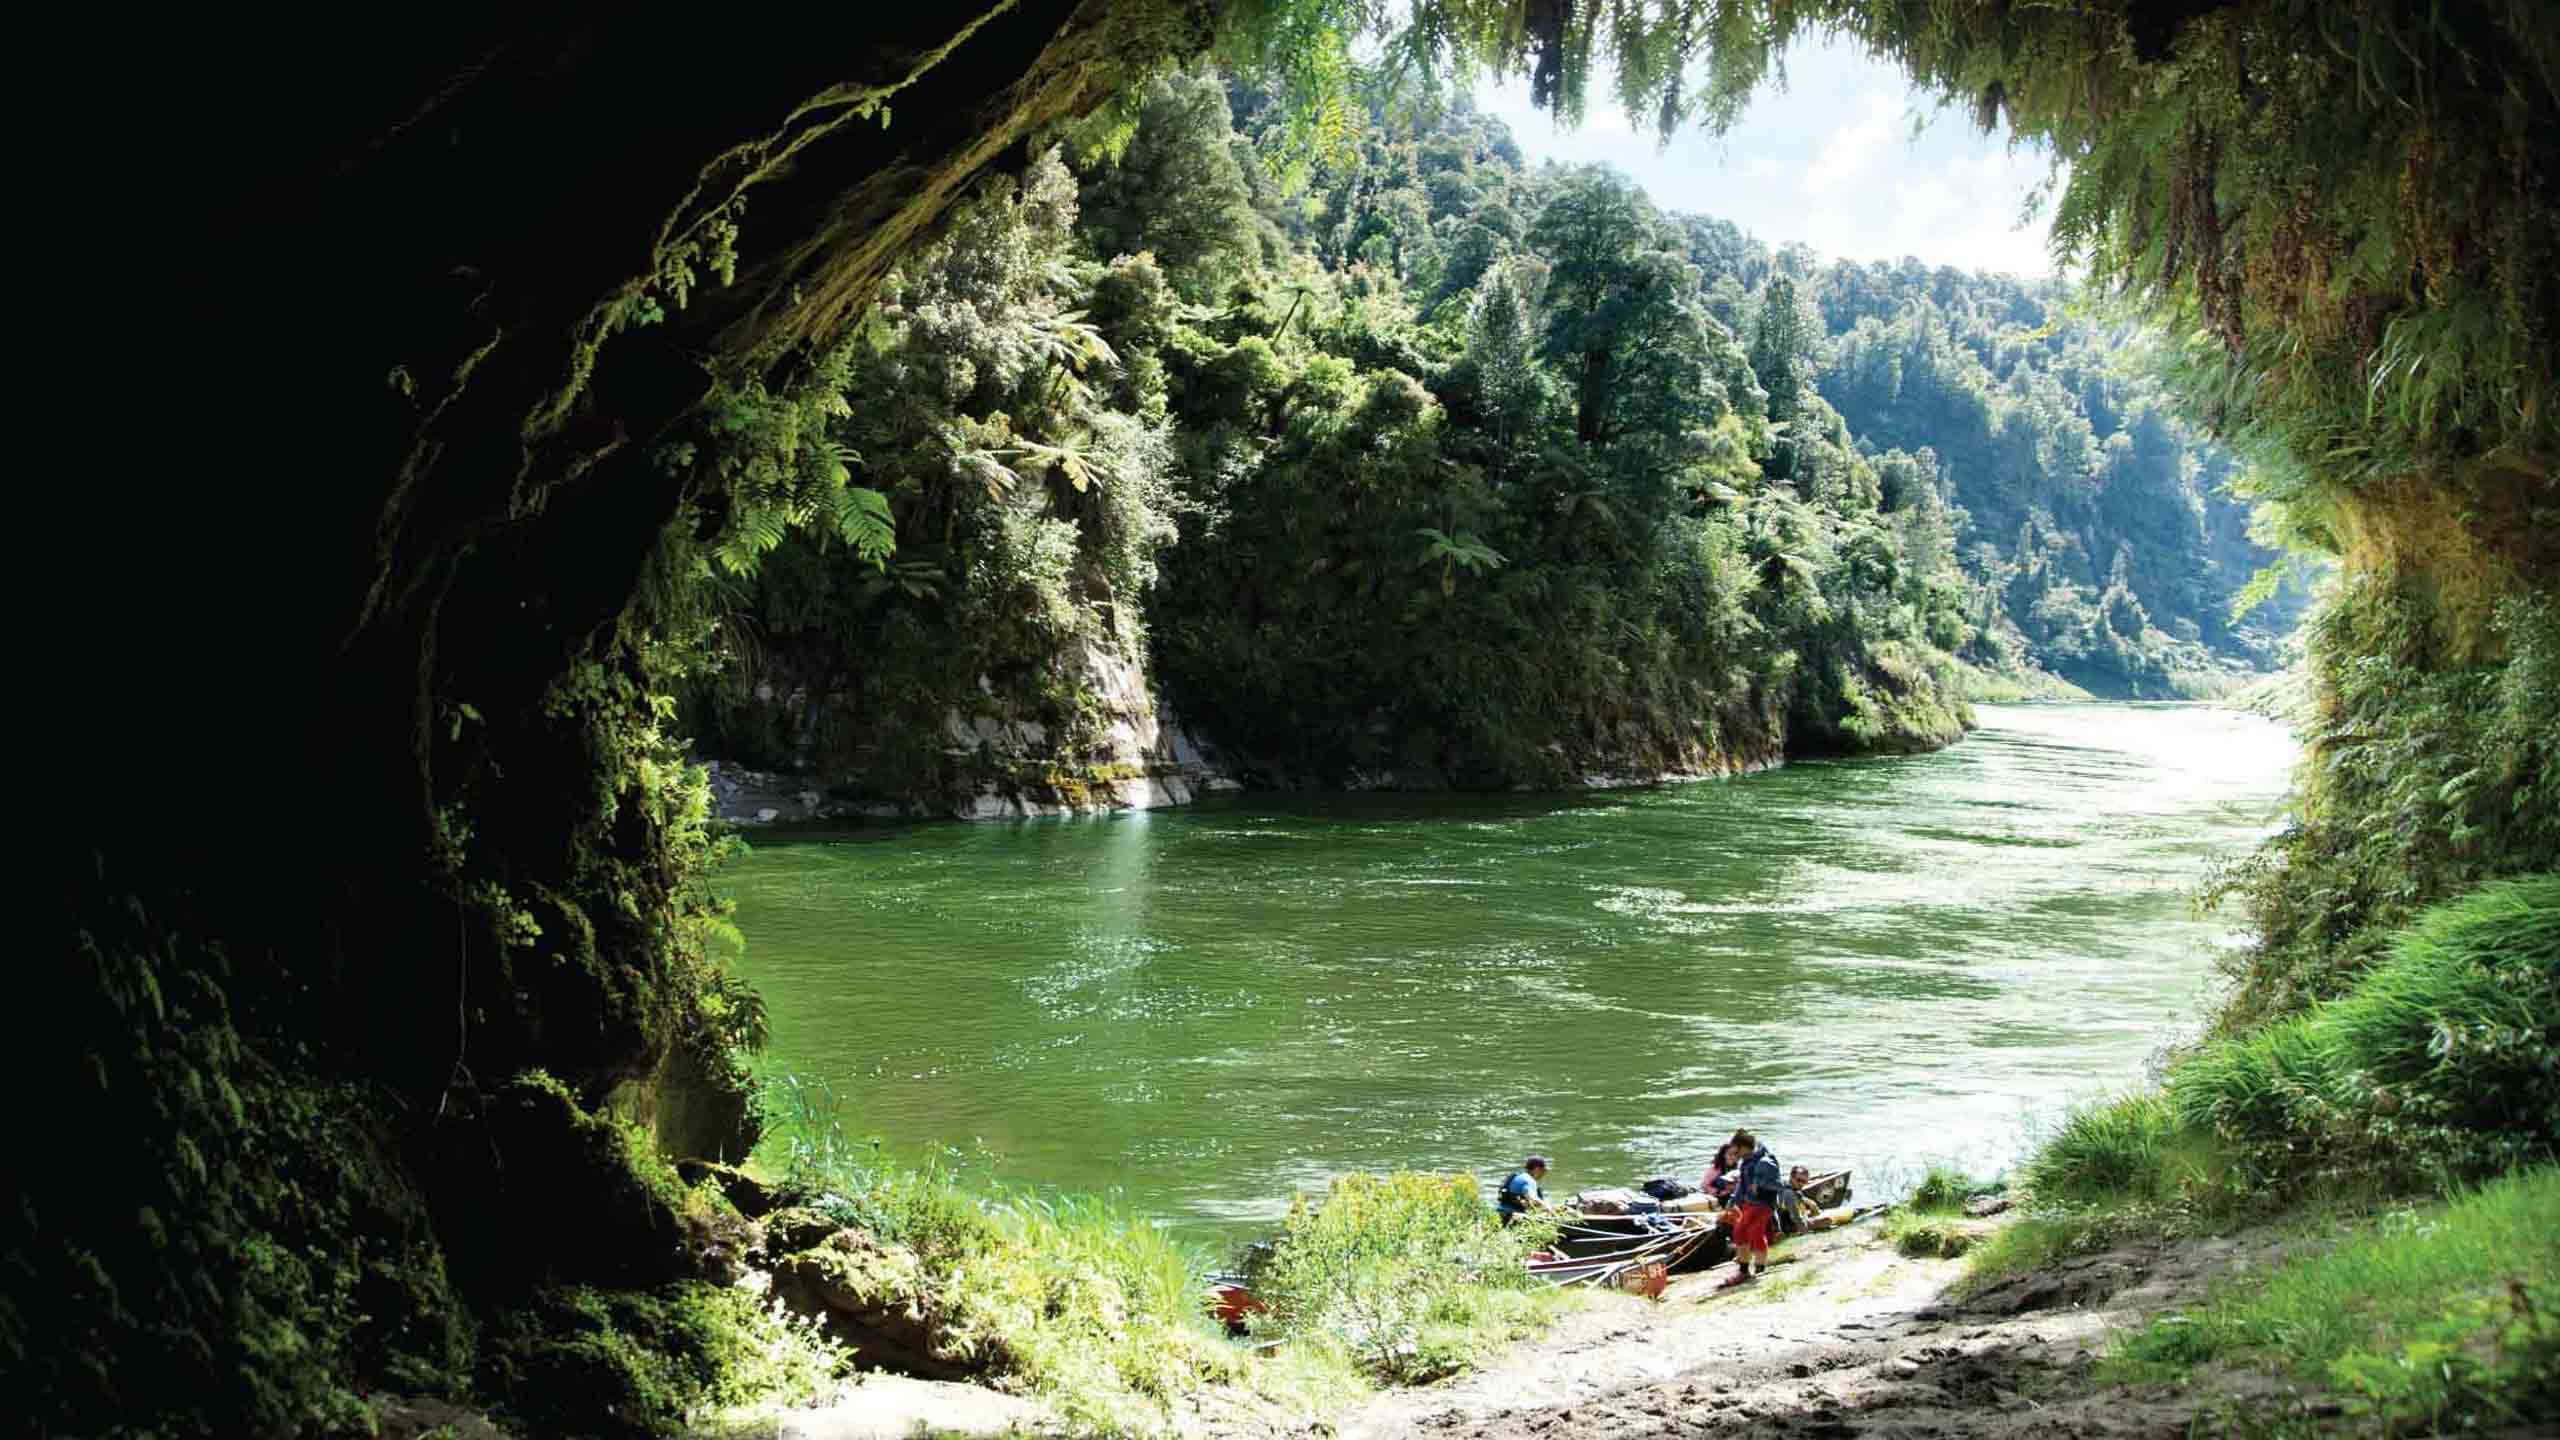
(1643, 1264)
(1590, 1235)
(1638, 1252)
(1829, 1190)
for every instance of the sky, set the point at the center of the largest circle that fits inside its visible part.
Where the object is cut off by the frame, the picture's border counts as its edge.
(1830, 160)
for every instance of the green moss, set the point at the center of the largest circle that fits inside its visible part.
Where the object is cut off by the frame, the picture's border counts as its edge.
(577, 1360)
(265, 1252)
(587, 1196)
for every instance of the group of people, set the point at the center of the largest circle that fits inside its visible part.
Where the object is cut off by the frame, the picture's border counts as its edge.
(1743, 1180)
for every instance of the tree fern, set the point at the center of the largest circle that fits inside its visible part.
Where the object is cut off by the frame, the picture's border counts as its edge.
(862, 520)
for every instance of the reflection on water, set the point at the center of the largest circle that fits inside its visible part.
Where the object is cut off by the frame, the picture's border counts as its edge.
(1874, 962)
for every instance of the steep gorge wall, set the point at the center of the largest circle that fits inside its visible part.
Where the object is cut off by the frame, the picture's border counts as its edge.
(450, 300)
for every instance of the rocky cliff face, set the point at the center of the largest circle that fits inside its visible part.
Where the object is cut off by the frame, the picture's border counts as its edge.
(1088, 734)
(1082, 734)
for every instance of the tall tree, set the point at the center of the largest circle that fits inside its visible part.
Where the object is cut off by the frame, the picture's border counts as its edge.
(1177, 188)
(1502, 350)
(1781, 355)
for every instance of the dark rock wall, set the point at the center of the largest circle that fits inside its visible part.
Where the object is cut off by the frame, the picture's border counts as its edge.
(357, 686)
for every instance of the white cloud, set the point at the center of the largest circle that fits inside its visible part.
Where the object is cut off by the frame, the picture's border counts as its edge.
(1964, 213)
(1855, 149)
(1830, 162)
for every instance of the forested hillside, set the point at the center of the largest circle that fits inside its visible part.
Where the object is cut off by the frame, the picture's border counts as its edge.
(2099, 526)
(1430, 470)
(1417, 465)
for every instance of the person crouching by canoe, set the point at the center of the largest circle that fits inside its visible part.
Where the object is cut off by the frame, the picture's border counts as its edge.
(1755, 1214)
(1718, 1182)
(1521, 1190)
(1796, 1210)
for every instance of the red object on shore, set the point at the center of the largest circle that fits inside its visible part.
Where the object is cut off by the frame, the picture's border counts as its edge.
(1233, 1304)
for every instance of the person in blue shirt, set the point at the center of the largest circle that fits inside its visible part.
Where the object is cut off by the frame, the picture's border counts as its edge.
(1521, 1192)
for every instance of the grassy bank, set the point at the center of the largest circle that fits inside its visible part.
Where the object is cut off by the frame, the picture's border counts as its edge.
(2422, 1316)
(1931, 1221)
(1102, 1313)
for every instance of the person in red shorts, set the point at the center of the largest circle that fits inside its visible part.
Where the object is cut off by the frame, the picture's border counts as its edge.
(1755, 1201)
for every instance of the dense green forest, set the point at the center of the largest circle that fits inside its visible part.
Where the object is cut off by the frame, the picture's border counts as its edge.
(1424, 466)
(538, 332)
(2105, 533)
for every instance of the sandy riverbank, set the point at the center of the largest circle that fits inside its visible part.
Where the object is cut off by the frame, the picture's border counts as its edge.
(1844, 1337)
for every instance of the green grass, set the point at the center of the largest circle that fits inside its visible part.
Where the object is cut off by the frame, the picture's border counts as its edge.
(2447, 1048)
(1931, 1221)
(2435, 1068)
(1924, 1236)
(1070, 1298)
(2439, 1064)
(2107, 1152)
(2419, 1317)
(1943, 1189)
(2276, 1084)
(2116, 1171)
(1398, 1279)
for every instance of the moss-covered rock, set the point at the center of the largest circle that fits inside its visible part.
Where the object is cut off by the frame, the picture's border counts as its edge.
(796, 1228)
(703, 1102)
(576, 1360)
(748, 1195)
(585, 1197)
(875, 1297)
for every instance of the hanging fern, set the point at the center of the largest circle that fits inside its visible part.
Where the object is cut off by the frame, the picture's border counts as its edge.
(862, 520)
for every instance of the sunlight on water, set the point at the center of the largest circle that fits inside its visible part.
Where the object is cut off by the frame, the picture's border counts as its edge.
(1876, 963)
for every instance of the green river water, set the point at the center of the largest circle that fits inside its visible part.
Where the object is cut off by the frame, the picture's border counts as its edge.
(1876, 963)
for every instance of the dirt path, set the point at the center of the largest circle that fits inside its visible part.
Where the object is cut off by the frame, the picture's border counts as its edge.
(1845, 1338)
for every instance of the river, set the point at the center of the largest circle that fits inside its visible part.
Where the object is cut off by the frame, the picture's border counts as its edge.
(1876, 963)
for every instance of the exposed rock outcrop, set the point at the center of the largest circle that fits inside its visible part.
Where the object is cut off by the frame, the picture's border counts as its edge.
(1085, 737)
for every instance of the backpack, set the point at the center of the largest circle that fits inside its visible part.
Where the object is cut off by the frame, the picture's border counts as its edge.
(1664, 1188)
(1760, 1181)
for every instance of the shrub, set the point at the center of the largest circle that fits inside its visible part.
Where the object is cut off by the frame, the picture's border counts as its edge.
(1410, 1274)
(2277, 1089)
(2457, 1027)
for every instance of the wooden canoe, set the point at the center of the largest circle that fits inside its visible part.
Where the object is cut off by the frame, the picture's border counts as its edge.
(1590, 1235)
